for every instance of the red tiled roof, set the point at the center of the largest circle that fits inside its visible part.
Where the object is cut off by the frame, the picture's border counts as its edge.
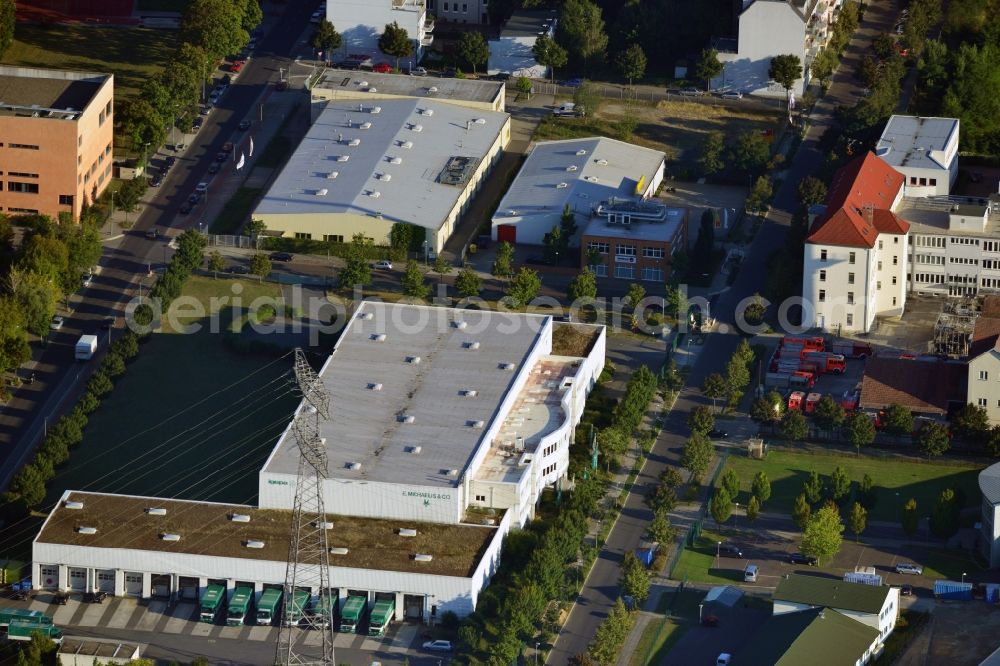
(991, 307)
(866, 183)
(985, 334)
(922, 386)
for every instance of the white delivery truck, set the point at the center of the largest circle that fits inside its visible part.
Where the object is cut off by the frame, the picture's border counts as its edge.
(85, 347)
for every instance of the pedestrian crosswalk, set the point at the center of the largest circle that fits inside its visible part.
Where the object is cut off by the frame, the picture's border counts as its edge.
(179, 619)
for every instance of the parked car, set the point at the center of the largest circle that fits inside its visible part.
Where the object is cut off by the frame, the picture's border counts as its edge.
(691, 92)
(536, 260)
(417, 71)
(438, 646)
(108, 322)
(718, 434)
(194, 198)
(724, 659)
(185, 208)
(201, 187)
(244, 125)
(56, 323)
(227, 147)
(213, 99)
(383, 265)
(731, 549)
(156, 180)
(221, 156)
(281, 85)
(316, 17)
(280, 256)
(86, 280)
(238, 269)
(95, 597)
(909, 568)
(237, 66)
(213, 167)
(198, 122)
(572, 83)
(152, 234)
(732, 94)
(799, 558)
(169, 162)
(710, 621)
(382, 68)
(906, 590)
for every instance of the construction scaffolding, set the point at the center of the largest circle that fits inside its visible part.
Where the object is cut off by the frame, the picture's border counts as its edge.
(954, 326)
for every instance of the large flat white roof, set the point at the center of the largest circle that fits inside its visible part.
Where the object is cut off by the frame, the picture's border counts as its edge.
(383, 158)
(403, 85)
(420, 369)
(577, 172)
(917, 141)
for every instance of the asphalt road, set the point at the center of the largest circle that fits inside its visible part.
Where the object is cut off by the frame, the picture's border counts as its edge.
(602, 588)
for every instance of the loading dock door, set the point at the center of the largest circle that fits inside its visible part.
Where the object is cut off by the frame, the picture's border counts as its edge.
(106, 580)
(414, 605)
(507, 233)
(133, 584)
(77, 579)
(49, 576)
(188, 587)
(160, 585)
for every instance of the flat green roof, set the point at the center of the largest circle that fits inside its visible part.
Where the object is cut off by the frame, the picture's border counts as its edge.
(831, 592)
(818, 637)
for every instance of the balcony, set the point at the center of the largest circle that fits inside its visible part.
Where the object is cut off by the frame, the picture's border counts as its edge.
(429, 24)
(427, 40)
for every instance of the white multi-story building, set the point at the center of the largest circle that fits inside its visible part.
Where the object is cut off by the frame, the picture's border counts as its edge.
(989, 486)
(512, 52)
(362, 22)
(855, 255)
(924, 150)
(768, 28)
(464, 11)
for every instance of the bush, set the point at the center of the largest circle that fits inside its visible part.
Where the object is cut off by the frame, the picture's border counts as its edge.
(113, 364)
(127, 346)
(89, 402)
(100, 384)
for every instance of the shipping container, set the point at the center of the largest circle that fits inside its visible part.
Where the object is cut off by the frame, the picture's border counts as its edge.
(863, 578)
(22, 630)
(8, 615)
(269, 606)
(211, 603)
(351, 614)
(949, 589)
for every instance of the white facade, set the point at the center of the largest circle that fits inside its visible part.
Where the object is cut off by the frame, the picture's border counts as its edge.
(984, 383)
(989, 543)
(884, 620)
(924, 150)
(362, 22)
(768, 28)
(512, 52)
(465, 11)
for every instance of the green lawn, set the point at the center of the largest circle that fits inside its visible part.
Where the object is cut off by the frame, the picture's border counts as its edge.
(658, 638)
(698, 563)
(236, 212)
(131, 54)
(892, 477)
(942, 564)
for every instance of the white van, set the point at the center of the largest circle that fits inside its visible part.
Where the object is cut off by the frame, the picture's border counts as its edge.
(569, 110)
(750, 574)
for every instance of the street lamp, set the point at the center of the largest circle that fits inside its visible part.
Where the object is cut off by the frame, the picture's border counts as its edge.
(536, 653)
(963, 576)
(718, 548)
(426, 249)
(736, 514)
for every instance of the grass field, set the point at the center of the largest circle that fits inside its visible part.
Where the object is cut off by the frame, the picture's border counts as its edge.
(922, 481)
(236, 212)
(658, 638)
(131, 54)
(697, 564)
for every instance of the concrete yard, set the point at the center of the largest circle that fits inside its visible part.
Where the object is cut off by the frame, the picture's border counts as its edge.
(957, 634)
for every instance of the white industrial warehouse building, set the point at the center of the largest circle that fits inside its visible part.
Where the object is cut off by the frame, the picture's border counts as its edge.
(446, 422)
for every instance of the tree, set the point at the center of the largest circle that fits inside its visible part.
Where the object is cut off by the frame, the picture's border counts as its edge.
(635, 578)
(357, 271)
(761, 486)
(731, 482)
(867, 71)
(326, 38)
(737, 378)
(503, 262)
(721, 506)
(7, 17)
(708, 67)
(632, 63)
(441, 266)
(898, 420)
(401, 237)
(29, 485)
(698, 454)
(216, 262)
(944, 514)
(858, 519)
(884, 46)
(812, 487)
(413, 281)
(468, 283)
(972, 422)
(829, 413)
(660, 530)
(753, 508)
(786, 70)
(712, 149)
(37, 297)
(840, 483)
(636, 292)
(583, 287)
(549, 54)
(760, 195)
(700, 419)
(523, 288)
(140, 123)
(794, 426)
(765, 410)
(524, 85)
(252, 14)
(472, 48)
(260, 265)
(588, 96)
(932, 439)
(993, 441)
(866, 492)
(129, 194)
(215, 25)
(825, 65)
(860, 430)
(396, 42)
(581, 31)
(801, 511)
(662, 498)
(823, 534)
(750, 153)
(910, 520)
(812, 190)
(610, 635)
(714, 387)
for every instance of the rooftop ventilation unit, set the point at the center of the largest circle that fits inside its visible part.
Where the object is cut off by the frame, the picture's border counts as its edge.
(512, 212)
(365, 125)
(376, 109)
(415, 450)
(374, 194)
(506, 366)
(581, 152)
(472, 344)
(156, 511)
(254, 543)
(322, 192)
(395, 160)
(590, 179)
(367, 316)
(353, 466)
(469, 393)
(452, 472)
(87, 530)
(407, 532)
(339, 550)
(474, 424)
(407, 144)
(417, 128)
(372, 89)
(572, 167)
(385, 176)
(428, 112)
(332, 175)
(170, 537)
(407, 418)
(421, 557)
(73, 505)
(374, 387)
(562, 186)
(354, 142)
(413, 360)
(602, 162)
(432, 89)
(377, 337)
(363, 84)
(342, 158)
(480, 121)
(239, 518)
(460, 325)
(326, 525)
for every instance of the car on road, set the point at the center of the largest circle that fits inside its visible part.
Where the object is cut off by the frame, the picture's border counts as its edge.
(691, 92)
(383, 265)
(221, 156)
(194, 198)
(201, 187)
(718, 434)
(213, 99)
(906, 590)
(909, 568)
(438, 646)
(86, 280)
(108, 322)
(56, 323)
(382, 68)
(213, 167)
(244, 125)
(572, 83)
(731, 550)
(237, 66)
(417, 71)
(280, 256)
(227, 147)
(198, 122)
(238, 269)
(152, 234)
(156, 180)
(710, 621)
(732, 94)
(185, 208)
(799, 558)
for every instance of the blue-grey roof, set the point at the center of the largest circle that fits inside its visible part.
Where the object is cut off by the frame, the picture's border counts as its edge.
(989, 483)
(382, 157)
(917, 141)
(578, 172)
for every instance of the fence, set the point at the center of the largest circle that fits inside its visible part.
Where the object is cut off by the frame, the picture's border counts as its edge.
(228, 240)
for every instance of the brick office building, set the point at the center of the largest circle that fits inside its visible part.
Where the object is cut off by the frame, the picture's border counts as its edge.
(633, 239)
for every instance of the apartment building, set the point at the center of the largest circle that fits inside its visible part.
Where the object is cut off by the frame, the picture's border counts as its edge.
(924, 150)
(466, 11)
(855, 256)
(362, 22)
(56, 131)
(768, 28)
(631, 239)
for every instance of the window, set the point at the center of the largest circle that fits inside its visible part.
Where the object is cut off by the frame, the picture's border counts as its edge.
(880, 244)
(984, 375)
(822, 255)
(850, 278)
(595, 246)
(22, 146)
(625, 250)
(652, 252)
(878, 285)
(850, 298)
(982, 402)
(480, 498)
(549, 470)
(465, 8)
(850, 258)
(850, 320)
(822, 295)
(894, 279)
(895, 240)
(600, 270)
(65, 199)
(22, 174)
(27, 188)
(101, 117)
(923, 182)
(333, 238)
(895, 260)
(913, 180)
(303, 235)
(446, 6)
(650, 274)
(625, 271)
(879, 266)
(822, 276)
(28, 211)
(893, 301)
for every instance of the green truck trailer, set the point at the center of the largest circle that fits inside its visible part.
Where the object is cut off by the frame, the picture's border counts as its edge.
(21, 630)
(296, 608)
(381, 616)
(269, 606)
(324, 609)
(8, 615)
(351, 614)
(239, 606)
(211, 603)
